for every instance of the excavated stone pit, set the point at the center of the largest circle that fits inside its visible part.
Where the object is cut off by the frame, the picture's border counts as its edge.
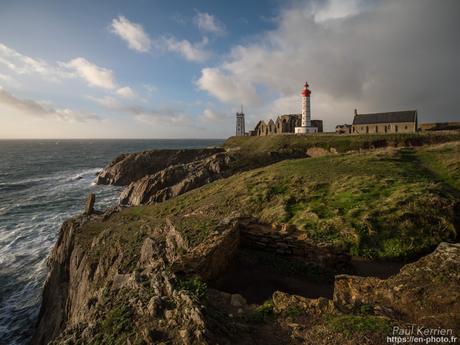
(268, 260)
(256, 275)
(255, 260)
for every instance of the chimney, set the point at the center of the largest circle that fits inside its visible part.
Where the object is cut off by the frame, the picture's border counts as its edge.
(356, 111)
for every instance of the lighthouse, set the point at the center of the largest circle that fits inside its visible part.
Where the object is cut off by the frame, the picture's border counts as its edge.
(306, 113)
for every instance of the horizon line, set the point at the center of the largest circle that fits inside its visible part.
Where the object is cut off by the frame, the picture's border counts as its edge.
(114, 138)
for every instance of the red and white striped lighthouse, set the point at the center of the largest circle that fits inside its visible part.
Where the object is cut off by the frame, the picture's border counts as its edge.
(305, 126)
(306, 111)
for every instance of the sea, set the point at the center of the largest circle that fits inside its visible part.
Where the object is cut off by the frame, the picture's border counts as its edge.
(42, 183)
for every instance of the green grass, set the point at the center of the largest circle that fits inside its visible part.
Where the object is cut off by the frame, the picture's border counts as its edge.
(387, 204)
(254, 145)
(194, 286)
(444, 163)
(262, 312)
(353, 324)
(116, 326)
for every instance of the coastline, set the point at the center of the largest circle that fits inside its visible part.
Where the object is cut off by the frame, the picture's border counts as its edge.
(81, 280)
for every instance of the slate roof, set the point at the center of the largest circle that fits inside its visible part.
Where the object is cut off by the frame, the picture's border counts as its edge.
(391, 117)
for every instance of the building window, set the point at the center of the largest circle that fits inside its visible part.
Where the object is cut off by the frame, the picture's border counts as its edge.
(405, 127)
(396, 129)
(376, 129)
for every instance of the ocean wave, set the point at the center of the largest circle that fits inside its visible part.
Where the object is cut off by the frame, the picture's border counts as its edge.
(65, 176)
(84, 173)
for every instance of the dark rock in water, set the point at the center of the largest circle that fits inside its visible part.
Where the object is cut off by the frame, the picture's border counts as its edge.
(175, 180)
(128, 168)
(89, 209)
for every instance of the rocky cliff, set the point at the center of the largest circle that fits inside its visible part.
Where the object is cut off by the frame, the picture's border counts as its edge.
(176, 179)
(94, 297)
(153, 274)
(128, 168)
(158, 175)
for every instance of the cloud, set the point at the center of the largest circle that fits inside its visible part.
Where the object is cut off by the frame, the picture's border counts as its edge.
(374, 56)
(79, 67)
(108, 102)
(150, 88)
(336, 9)
(191, 51)
(91, 73)
(132, 33)
(163, 116)
(25, 65)
(227, 87)
(42, 109)
(210, 115)
(126, 92)
(6, 79)
(208, 23)
(139, 40)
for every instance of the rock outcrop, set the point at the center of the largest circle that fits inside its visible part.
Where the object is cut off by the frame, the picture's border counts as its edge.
(159, 294)
(425, 292)
(130, 167)
(423, 295)
(87, 301)
(176, 179)
(158, 175)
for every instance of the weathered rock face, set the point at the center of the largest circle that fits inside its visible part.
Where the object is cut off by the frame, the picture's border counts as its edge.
(158, 175)
(52, 316)
(95, 298)
(176, 179)
(425, 292)
(128, 168)
(364, 310)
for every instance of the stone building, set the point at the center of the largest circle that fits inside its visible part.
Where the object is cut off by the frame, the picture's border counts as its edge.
(318, 124)
(287, 123)
(261, 129)
(343, 129)
(391, 122)
(284, 124)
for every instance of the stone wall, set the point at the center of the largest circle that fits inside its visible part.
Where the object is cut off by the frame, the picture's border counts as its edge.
(210, 258)
(286, 240)
(381, 128)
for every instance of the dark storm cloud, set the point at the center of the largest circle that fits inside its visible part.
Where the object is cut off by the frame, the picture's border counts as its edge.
(376, 56)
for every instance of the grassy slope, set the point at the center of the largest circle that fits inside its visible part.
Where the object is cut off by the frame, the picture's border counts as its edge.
(389, 203)
(341, 143)
(252, 152)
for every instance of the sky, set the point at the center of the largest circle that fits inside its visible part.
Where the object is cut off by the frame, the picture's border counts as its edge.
(181, 69)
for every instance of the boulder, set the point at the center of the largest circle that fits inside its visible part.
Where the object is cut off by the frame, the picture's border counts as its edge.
(317, 152)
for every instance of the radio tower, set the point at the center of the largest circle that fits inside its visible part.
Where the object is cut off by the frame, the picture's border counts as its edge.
(240, 130)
